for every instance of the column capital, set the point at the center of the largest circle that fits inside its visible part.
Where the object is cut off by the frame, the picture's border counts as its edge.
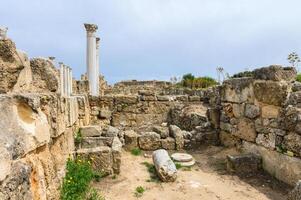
(91, 27)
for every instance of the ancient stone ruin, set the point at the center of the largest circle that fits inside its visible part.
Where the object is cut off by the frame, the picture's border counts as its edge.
(47, 117)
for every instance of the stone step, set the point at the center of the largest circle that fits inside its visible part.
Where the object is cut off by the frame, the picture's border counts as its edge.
(92, 142)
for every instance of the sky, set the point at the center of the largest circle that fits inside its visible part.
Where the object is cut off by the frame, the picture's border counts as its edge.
(158, 39)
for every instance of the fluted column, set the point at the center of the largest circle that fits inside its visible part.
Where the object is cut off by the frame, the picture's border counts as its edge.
(62, 78)
(65, 80)
(91, 58)
(97, 63)
(70, 81)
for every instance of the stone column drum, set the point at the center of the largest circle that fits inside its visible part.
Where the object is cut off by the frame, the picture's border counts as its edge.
(91, 58)
(62, 78)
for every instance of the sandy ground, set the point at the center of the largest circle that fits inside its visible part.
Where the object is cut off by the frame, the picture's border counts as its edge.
(207, 180)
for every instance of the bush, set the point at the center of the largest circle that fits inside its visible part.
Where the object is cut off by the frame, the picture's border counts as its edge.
(298, 78)
(136, 152)
(139, 191)
(243, 74)
(190, 81)
(76, 182)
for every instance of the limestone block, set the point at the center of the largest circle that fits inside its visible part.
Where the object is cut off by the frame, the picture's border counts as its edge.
(105, 114)
(252, 111)
(146, 92)
(238, 110)
(178, 134)
(91, 142)
(162, 131)
(296, 86)
(228, 140)
(276, 73)
(270, 111)
(168, 143)
(149, 141)
(244, 164)
(126, 99)
(148, 98)
(182, 98)
(227, 127)
(238, 91)
(116, 153)
(283, 167)
(165, 168)
(294, 99)
(194, 98)
(245, 130)
(292, 142)
(271, 92)
(214, 117)
(131, 139)
(90, 131)
(267, 140)
(164, 98)
(111, 131)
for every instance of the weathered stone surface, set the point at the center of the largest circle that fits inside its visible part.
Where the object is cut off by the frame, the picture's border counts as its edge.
(164, 98)
(126, 99)
(90, 131)
(294, 99)
(283, 167)
(270, 111)
(295, 194)
(131, 139)
(187, 164)
(162, 131)
(181, 157)
(270, 92)
(111, 131)
(91, 142)
(228, 140)
(275, 73)
(182, 98)
(148, 98)
(105, 114)
(252, 111)
(292, 142)
(227, 127)
(10, 65)
(116, 154)
(149, 141)
(146, 92)
(168, 143)
(244, 164)
(44, 75)
(296, 86)
(267, 140)
(238, 110)
(165, 168)
(245, 130)
(238, 90)
(194, 98)
(177, 133)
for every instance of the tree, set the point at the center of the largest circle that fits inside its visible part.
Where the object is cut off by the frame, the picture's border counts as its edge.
(293, 59)
(188, 77)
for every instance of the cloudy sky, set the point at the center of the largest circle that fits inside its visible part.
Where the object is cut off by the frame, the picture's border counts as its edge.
(157, 39)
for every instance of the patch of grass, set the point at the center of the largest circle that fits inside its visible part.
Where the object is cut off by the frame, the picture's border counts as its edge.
(76, 183)
(139, 191)
(136, 152)
(152, 172)
(178, 166)
(114, 177)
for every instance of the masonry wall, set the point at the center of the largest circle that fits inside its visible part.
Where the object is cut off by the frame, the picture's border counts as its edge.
(262, 115)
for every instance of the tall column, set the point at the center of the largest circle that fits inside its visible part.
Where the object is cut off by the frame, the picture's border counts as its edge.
(65, 80)
(3, 32)
(62, 78)
(97, 63)
(70, 81)
(91, 57)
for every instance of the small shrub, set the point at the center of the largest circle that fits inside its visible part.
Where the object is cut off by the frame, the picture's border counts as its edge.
(298, 78)
(136, 152)
(139, 191)
(178, 165)
(78, 137)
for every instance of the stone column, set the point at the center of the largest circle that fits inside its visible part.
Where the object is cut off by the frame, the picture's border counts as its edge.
(97, 63)
(65, 80)
(91, 58)
(62, 78)
(70, 81)
(3, 32)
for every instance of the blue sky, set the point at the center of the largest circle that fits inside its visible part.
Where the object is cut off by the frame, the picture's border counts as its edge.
(157, 39)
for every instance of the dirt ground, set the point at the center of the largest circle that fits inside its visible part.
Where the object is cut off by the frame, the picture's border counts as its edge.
(207, 180)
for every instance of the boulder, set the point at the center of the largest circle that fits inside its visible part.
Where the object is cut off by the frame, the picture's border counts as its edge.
(149, 141)
(168, 143)
(131, 139)
(178, 135)
(244, 164)
(295, 194)
(165, 168)
(162, 131)
(276, 73)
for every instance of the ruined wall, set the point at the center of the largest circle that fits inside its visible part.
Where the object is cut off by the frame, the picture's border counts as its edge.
(262, 115)
(37, 126)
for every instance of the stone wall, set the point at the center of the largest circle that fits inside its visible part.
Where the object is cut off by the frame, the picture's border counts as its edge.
(262, 115)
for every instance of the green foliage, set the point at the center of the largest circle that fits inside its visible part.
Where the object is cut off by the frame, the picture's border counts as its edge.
(76, 182)
(136, 151)
(298, 78)
(178, 165)
(190, 81)
(243, 74)
(78, 137)
(152, 172)
(293, 59)
(139, 191)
